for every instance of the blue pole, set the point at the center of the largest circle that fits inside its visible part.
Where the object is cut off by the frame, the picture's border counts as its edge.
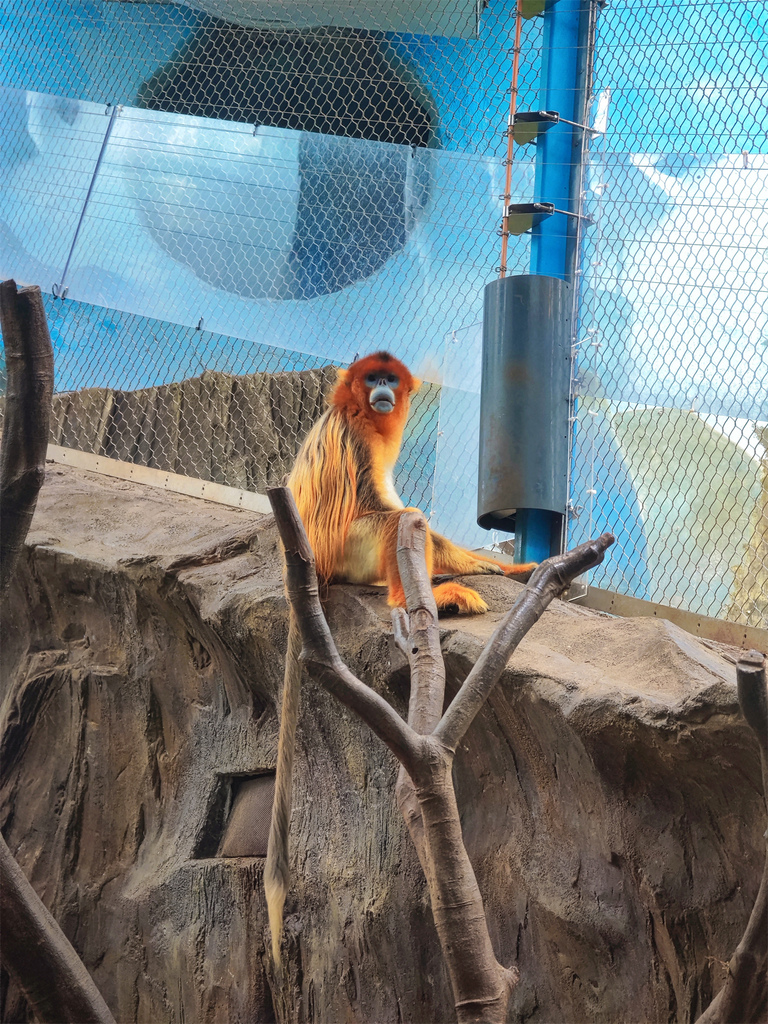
(538, 532)
(558, 151)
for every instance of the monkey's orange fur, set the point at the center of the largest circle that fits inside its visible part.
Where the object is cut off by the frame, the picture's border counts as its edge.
(342, 483)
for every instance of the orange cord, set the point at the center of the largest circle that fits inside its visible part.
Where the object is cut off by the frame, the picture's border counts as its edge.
(510, 138)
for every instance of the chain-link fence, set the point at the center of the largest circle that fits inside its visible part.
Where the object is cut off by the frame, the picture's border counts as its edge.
(256, 198)
(673, 338)
(224, 200)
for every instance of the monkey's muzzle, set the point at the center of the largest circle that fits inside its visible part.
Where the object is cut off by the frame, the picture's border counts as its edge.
(382, 399)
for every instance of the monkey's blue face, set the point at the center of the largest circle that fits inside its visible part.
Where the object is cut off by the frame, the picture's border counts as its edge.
(382, 386)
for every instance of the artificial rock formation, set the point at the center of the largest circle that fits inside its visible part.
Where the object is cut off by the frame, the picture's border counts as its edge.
(243, 431)
(610, 792)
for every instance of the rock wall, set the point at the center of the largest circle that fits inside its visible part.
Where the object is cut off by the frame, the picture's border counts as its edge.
(610, 793)
(240, 431)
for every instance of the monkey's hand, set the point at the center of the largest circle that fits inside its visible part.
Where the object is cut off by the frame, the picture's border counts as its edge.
(487, 569)
(520, 572)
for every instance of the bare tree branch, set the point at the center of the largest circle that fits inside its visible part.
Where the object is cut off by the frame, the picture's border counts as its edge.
(549, 581)
(422, 648)
(319, 650)
(743, 999)
(424, 654)
(481, 986)
(35, 950)
(38, 954)
(29, 358)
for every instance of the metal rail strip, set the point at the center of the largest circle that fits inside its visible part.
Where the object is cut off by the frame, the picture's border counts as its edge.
(175, 482)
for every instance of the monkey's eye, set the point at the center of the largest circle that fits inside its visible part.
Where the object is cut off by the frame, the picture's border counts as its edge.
(370, 379)
(393, 380)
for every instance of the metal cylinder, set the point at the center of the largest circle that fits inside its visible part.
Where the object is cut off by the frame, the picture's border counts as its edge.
(524, 399)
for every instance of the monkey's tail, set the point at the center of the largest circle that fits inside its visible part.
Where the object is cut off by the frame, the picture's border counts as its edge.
(276, 869)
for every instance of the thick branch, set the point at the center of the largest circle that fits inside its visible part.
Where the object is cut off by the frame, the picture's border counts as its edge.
(29, 358)
(421, 645)
(549, 581)
(38, 954)
(424, 654)
(743, 999)
(35, 951)
(319, 650)
(481, 986)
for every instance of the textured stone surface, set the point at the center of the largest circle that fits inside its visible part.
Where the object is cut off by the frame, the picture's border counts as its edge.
(243, 431)
(610, 793)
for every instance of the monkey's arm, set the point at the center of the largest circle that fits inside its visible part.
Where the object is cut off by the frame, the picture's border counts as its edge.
(449, 558)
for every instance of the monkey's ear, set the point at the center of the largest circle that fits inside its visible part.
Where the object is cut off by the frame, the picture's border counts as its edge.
(342, 375)
(415, 385)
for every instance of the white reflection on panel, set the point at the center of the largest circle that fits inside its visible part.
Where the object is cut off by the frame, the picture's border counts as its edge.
(50, 148)
(305, 242)
(676, 306)
(454, 502)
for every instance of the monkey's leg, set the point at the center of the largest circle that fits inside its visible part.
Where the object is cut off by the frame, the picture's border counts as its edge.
(450, 558)
(362, 561)
(370, 553)
(370, 556)
(447, 595)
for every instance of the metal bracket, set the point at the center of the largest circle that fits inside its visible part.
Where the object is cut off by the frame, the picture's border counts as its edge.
(521, 217)
(529, 124)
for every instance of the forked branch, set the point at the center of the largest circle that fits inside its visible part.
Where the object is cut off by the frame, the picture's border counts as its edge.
(481, 986)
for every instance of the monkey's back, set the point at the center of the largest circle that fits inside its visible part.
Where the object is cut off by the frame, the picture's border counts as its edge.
(334, 481)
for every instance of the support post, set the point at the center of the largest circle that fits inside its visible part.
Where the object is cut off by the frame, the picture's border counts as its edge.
(568, 38)
(567, 30)
(564, 88)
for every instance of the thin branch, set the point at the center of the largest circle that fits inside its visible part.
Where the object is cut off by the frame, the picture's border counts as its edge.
(319, 650)
(744, 995)
(549, 581)
(29, 359)
(400, 630)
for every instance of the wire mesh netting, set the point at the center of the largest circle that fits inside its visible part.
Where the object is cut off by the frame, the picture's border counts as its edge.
(214, 200)
(224, 200)
(673, 338)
